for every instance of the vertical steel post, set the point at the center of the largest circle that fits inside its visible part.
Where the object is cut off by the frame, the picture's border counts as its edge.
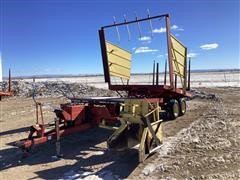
(57, 137)
(165, 73)
(157, 74)
(104, 56)
(175, 81)
(9, 81)
(37, 112)
(153, 73)
(169, 44)
(185, 73)
(189, 73)
(41, 112)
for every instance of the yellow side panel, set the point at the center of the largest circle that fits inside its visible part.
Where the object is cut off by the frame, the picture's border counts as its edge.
(179, 56)
(119, 71)
(119, 61)
(112, 59)
(178, 64)
(178, 45)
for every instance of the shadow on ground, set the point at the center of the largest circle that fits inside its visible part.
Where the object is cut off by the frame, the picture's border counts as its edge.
(82, 147)
(14, 131)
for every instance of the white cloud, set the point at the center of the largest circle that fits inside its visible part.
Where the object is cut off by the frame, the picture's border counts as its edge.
(162, 29)
(176, 28)
(192, 55)
(144, 50)
(159, 56)
(145, 38)
(209, 46)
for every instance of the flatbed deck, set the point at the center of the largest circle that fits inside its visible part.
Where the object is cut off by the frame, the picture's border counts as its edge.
(151, 90)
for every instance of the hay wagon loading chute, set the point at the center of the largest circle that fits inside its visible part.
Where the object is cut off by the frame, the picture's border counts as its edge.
(135, 118)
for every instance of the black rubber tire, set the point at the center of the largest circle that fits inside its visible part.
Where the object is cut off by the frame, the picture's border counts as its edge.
(182, 106)
(173, 109)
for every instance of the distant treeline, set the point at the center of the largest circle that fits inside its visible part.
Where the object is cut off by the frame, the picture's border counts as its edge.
(94, 75)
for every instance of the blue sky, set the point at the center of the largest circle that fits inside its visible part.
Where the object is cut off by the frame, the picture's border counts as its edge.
(61, 36)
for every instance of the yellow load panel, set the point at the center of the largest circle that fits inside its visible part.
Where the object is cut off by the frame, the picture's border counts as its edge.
(179, 56)
(119, 61)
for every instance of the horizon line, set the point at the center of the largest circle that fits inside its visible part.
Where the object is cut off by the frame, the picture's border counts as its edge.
(101, 74)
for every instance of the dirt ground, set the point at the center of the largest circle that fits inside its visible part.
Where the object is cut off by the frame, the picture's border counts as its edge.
(202, 144)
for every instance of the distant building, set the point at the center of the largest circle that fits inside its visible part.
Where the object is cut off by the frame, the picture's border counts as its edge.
(1, 72)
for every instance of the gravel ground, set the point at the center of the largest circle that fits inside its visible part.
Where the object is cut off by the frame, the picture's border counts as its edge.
(202, 144)
(54, 89)
(208, 149)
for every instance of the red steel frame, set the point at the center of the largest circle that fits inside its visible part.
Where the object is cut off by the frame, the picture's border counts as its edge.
(147, 91)
(73, 114)
(151, 91)
(27, 143)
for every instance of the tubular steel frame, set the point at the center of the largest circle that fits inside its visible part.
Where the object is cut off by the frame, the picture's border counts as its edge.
(150, 88)
(104, 53)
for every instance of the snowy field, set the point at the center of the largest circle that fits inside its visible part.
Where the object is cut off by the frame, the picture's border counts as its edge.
(198, 79)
